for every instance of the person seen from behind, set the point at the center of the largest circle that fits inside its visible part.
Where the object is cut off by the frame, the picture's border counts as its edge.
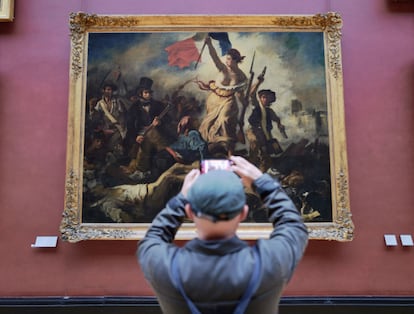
(217, 272)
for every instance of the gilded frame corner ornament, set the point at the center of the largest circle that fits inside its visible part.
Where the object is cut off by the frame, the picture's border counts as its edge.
(326, 27)
(6, 10)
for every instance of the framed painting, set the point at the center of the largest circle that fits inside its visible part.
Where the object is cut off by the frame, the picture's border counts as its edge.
(6, 10)
(148, 102)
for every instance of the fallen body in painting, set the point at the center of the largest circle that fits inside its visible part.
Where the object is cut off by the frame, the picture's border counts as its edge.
(140, 202)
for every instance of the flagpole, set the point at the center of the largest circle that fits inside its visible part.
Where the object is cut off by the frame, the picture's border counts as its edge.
(199, 57)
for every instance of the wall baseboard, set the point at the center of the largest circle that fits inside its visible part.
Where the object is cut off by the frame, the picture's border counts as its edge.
(149, 305)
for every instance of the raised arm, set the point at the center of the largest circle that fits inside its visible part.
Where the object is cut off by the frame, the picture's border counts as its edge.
(288, 240)
(213, 53)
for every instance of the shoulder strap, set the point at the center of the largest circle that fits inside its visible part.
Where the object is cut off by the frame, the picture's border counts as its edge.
(107, 113)
(114, 121)
(177, 282)
(244, 301)
(253, 284)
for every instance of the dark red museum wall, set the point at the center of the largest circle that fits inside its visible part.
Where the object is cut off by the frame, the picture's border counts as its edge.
(378, 69)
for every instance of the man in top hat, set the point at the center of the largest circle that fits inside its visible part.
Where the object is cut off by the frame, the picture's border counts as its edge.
(146, 133)
(215, 271)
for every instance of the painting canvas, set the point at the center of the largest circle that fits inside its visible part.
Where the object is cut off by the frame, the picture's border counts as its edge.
(151, 98)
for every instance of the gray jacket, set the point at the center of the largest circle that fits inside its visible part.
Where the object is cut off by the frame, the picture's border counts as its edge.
(216, 273)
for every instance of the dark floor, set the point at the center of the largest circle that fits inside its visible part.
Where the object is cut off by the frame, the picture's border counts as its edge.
(143, 305)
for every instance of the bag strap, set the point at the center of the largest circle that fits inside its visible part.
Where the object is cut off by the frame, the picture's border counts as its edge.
(253, 284)
(244, 301)
(179, 285)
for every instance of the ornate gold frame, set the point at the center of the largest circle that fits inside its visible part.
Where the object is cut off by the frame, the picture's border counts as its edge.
(72, 228)
(6, 10)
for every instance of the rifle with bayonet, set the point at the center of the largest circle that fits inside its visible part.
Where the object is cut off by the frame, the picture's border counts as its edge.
(241, 136)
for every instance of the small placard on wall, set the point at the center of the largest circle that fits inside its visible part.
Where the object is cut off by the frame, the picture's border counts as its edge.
(45, 241)
(406, 240)
(390, 240)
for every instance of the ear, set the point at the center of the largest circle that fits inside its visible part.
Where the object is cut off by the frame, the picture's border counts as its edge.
(189, 211)
(244, 212)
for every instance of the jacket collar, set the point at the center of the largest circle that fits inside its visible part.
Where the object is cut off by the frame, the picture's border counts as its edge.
(216, 247)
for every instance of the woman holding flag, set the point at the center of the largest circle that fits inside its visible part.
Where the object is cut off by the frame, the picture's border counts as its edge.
(219, 125)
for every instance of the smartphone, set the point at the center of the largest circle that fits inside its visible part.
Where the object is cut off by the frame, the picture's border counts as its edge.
(215, 164)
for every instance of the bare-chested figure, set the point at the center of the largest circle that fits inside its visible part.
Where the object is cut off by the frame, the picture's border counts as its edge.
(220, 122)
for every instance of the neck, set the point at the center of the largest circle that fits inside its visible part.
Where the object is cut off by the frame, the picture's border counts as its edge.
(220, 230)
(212, 237)
(232, 67)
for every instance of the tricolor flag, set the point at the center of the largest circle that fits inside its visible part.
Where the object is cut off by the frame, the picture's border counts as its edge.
(224, 41)
(184, 52)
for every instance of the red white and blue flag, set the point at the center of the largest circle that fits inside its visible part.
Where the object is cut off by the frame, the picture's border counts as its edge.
(184, 52)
